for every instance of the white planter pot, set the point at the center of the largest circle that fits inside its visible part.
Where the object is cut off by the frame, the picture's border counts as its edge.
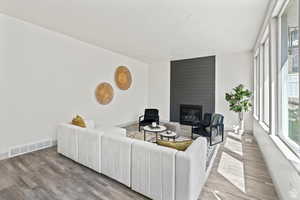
(241, 123)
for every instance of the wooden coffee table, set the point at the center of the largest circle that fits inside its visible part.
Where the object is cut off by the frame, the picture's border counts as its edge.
(156, 130)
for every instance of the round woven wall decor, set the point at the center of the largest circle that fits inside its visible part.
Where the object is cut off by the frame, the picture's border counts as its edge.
(123, 78)
(104, 93)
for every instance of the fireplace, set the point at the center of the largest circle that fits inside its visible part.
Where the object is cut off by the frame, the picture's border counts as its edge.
(189, 114)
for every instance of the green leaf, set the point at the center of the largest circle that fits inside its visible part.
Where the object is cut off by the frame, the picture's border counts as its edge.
(239, 99)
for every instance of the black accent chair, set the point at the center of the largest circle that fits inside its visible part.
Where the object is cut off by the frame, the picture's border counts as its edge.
(150, 115)
(202, 124)
(210, 128)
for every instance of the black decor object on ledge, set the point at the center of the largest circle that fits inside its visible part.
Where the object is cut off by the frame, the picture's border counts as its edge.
(190, 114)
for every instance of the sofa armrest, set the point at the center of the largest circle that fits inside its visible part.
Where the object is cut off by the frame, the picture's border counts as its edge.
(191, 170)
(67, 141)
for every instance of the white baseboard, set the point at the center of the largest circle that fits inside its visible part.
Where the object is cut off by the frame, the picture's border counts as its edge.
(4, 156)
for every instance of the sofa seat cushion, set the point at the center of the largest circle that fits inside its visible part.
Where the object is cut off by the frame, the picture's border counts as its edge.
(178, 145)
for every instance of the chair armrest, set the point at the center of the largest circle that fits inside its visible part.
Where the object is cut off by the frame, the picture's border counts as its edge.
(216, 125)
(199, 125)
(204, 123)
(213, 126)
(140, 118)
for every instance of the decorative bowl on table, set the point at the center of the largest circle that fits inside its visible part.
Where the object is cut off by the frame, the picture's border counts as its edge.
(154, 124)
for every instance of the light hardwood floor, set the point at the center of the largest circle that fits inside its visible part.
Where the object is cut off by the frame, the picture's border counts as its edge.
(47, 175)
(257, 181)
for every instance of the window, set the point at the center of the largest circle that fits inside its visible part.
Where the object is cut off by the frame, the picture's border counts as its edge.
(266, 82)
(288, 76)
(256, 86)
(262, 81)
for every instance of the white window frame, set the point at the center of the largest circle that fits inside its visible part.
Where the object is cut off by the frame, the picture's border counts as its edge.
(260, 84)
(266, 80)
(281, 131)
(256, 85)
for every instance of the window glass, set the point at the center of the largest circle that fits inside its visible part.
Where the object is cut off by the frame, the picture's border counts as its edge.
(261, 83)
(289, 120)
(266, 89)
(256, 86)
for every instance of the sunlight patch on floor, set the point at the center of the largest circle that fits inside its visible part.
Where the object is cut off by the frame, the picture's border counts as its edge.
(233, 170)
(234, 146)
(234, 135)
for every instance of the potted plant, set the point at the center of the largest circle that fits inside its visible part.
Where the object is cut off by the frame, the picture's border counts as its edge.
(240, 102)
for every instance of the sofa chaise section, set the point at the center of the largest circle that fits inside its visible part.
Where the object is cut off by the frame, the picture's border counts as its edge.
(153, 170)
(116, 157)
(191, 170)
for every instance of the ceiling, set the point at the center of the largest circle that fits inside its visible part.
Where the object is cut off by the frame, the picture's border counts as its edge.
(150, 30)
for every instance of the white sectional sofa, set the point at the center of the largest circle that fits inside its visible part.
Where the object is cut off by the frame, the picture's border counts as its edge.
(191, 170)
(157, 172)
(153, 170)
(116, 158)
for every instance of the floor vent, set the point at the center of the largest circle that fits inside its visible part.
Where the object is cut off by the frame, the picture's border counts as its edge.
(19, 150)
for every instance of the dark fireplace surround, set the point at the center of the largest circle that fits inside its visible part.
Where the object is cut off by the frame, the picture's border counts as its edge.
(190, 114)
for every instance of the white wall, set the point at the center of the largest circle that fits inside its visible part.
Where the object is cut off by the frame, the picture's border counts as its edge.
(231, 70)
(285, 177)
(159, 88)
(46, 78)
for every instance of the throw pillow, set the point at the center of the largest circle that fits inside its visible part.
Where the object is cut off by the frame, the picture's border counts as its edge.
(78, 121)
(179, 145)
